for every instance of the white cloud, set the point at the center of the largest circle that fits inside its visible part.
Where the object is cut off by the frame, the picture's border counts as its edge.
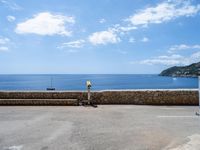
(164, 60)
(117, 28)
(196, 56)
(181, 47)
(73, 44)
(104, 37)
(102, 20)
(4, 40)
(131, 40)
(11, 5)
(4, 44)
(171, 60)
(164, 12)
(127, 28)
(145, 39)
(46, 23)
(3, 48)
(111, 35)
(10, 18)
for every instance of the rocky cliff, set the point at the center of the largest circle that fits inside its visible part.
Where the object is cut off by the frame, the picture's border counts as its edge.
(192, 70)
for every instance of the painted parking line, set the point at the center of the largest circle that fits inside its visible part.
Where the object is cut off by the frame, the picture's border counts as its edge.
(178, 116)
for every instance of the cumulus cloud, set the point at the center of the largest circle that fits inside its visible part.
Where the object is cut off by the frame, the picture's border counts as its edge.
(10, 18)
(171, 60)
(104, 37)
(176, 48)
(111, 35)
(102, 20)
(164, 12)
(73, 44)
(46, 23)
(145, 39)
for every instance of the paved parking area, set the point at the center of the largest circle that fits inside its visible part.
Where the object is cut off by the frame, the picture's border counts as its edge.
(108, 127)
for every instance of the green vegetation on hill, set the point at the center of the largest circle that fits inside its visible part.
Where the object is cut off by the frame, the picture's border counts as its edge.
(192, 70)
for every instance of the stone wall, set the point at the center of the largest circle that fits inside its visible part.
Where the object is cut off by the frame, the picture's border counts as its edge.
(52, 102)
(138, 97)
(161, 97)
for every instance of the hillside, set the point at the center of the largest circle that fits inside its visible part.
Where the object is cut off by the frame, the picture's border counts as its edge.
(192, 70)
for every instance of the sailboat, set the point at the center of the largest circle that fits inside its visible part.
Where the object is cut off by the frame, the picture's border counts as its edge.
(51, 88)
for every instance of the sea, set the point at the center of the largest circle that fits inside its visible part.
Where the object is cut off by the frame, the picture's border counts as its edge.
(99, 82)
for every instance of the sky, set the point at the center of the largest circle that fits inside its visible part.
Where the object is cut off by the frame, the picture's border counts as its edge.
(98, 37)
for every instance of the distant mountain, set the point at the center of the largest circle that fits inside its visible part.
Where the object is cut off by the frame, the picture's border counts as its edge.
(192, 70)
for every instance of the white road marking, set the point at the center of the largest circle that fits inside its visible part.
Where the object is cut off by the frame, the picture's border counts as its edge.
(178, 116)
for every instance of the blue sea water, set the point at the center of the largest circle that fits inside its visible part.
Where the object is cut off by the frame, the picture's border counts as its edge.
(99, 82)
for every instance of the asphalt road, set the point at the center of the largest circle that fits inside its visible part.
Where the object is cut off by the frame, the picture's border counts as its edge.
(108, 127)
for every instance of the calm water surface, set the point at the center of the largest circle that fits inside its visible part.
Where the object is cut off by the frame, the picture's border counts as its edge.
(99, 82)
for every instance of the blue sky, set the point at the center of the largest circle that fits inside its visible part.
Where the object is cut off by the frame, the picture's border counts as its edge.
(107, 36)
